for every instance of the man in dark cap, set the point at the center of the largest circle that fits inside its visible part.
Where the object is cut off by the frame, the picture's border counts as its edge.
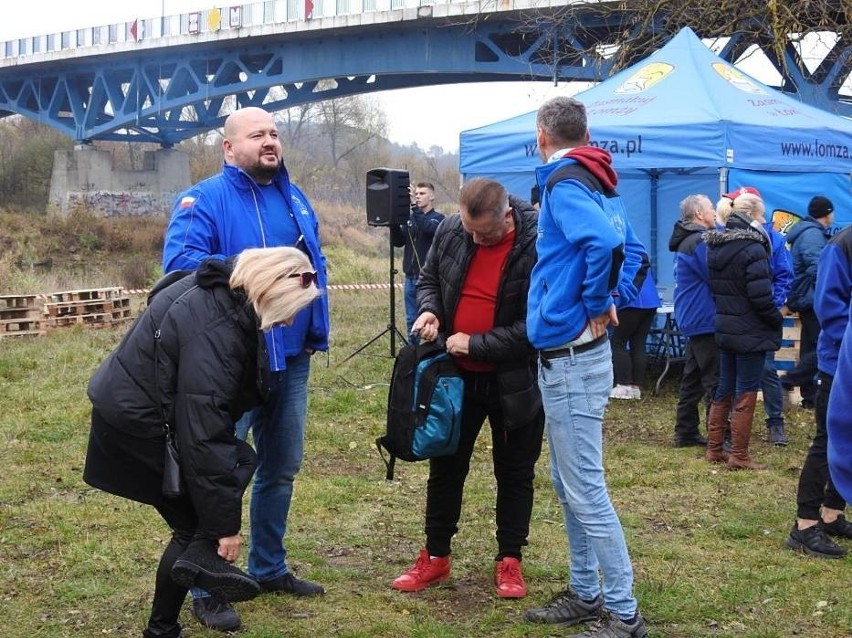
(807, 238)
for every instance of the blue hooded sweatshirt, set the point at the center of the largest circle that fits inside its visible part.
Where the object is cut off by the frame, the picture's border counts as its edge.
(588, 254)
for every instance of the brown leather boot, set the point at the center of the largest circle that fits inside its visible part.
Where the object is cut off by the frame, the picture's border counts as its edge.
(717, 419)
(741, 433)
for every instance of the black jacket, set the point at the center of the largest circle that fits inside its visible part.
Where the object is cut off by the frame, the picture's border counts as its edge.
(747, 319)
(439, 289)
(195, 359)
(416, 237)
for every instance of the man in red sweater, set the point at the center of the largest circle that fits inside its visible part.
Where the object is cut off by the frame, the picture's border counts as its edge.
(472, 292)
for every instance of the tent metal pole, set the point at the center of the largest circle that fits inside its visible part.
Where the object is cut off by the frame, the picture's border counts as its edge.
(655, 180)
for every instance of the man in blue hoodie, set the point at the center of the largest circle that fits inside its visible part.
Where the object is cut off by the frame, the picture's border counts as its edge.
(819, 506)
(807, 238)
(588, 259)
(839, 418)
(252, 204)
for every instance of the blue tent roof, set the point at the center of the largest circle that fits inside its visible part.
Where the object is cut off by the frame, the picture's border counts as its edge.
(682, 107)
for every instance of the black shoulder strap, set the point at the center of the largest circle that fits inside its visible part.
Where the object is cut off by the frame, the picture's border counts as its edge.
(576, 172)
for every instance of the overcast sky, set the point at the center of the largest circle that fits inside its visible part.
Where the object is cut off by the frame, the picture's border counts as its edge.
(427, 116)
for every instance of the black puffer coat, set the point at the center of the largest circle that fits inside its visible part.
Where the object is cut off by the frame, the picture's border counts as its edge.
(192, 359)
(438, 292)
(747, 319)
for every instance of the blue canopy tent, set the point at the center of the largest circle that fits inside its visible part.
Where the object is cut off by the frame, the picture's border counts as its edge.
(685, 121)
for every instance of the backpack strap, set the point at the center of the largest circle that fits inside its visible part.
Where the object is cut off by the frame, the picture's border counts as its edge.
(580, 173)
(390, 462)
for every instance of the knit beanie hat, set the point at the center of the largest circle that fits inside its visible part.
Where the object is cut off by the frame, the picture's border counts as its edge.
(820, 206)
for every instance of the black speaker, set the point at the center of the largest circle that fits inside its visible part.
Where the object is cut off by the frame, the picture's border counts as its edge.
(388, 199)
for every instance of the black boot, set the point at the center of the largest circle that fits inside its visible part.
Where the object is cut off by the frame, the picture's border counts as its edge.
(777, 437)
(200, 566)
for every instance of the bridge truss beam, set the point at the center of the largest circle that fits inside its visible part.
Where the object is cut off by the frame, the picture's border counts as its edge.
(166, 95)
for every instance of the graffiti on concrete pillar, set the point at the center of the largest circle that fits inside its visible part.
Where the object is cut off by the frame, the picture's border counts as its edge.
(122, 204)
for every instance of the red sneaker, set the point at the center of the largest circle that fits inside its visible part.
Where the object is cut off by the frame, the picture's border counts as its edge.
(425, 573)
(509, 579)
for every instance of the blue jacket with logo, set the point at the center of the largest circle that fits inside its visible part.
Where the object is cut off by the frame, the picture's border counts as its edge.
(588, 256)
(694, 308)
(781, 264)
(222, 216)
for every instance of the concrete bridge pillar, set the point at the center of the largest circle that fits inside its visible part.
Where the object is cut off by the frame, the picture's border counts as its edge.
(85, 178)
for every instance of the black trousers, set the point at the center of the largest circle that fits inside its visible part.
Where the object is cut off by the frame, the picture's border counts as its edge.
(815, 486)
(168, 595)
(806, 369)
(133, 468)
(629, 355)
(514, 454)
(700, 378)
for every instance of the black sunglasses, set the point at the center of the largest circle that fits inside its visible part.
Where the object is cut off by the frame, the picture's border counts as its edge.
(306, 278)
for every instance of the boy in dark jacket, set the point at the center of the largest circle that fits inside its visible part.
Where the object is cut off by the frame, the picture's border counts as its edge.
(807, 238)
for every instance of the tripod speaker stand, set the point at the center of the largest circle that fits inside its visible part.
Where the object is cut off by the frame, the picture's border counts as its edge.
(388, 203)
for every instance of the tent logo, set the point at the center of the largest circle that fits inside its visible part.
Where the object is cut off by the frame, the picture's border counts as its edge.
(645, 78)
(736, 79)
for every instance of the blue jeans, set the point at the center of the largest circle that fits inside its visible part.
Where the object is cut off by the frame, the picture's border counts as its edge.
(410, 303)
(278, 427)
(773, 396)
(575, 391)
(739, 373)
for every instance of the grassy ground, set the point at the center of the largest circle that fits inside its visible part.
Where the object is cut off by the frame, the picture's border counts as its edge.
(707, 545)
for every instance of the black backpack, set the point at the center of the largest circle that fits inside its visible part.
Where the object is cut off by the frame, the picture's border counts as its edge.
(424, 405)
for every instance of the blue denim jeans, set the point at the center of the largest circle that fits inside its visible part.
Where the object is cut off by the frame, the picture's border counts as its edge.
(278, 428)
(739, 373)
(575, 390)
(410, 303)
(773, 395)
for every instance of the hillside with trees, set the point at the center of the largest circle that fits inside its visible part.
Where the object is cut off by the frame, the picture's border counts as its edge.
(328, 149)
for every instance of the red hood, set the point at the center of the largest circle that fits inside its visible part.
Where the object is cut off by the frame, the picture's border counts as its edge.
(599, 163)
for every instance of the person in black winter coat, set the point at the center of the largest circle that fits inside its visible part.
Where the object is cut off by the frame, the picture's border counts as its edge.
(748, 324)
(473, 291)
(190, 365)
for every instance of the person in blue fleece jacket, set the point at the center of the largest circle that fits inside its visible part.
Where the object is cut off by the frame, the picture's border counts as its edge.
(588, 262)
(839, 419)
(819, 505)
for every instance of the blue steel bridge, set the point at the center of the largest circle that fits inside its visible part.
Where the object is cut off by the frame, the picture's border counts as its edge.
(166, 78)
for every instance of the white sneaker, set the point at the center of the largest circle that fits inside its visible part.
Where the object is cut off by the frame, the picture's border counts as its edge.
(620, 392)
(635, 392)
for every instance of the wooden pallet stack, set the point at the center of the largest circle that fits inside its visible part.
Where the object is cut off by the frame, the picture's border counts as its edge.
(788, 355)
(95, 308)
(21, 316)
